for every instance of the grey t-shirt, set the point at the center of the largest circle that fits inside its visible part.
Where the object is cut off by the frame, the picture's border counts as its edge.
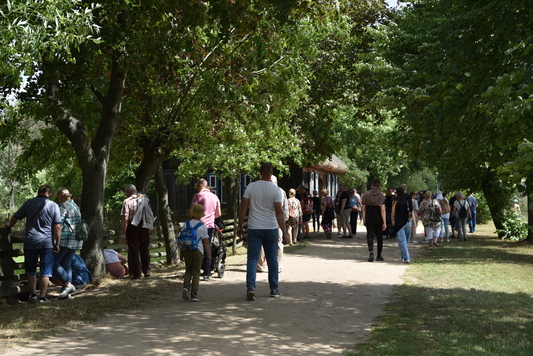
(39, 223)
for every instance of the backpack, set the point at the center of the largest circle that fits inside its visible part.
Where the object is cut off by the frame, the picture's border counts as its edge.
(462, 211)
(188, 239)
(434, 213)
(308, 204)
(82, 231)
(444, 205)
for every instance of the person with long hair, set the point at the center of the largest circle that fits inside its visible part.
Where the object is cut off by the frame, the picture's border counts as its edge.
(402, 216)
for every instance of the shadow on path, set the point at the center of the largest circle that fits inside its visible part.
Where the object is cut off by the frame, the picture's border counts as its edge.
(330, 298)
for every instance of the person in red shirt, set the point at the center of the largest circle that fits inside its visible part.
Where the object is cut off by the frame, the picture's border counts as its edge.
(306, 201)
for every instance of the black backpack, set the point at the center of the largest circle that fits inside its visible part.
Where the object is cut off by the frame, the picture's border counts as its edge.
(462, 211)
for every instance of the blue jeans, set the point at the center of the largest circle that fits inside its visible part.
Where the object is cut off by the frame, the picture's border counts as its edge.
(207, 265)
(46, 256)
(472, 222)
(408, 232)
(63, 264)
(444, 224)
(403, 240)
(269, 240)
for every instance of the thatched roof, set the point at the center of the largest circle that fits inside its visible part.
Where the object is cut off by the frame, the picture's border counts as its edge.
(332, 164)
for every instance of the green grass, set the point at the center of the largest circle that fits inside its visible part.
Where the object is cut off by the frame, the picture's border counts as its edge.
(473, 298)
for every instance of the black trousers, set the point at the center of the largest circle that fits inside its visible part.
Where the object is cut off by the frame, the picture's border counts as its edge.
(372, 230)
(354, 215)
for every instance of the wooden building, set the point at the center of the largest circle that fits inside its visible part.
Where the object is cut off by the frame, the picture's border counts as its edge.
(315, 177)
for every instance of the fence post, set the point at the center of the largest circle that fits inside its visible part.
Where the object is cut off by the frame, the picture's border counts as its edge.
(6, 263)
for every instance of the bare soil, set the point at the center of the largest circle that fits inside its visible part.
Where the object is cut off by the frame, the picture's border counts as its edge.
(331, 297)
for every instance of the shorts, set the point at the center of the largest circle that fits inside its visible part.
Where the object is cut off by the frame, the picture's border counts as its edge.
(292, 222)
(46, 256)
(116, 270)
(344, 216)
(306, 217)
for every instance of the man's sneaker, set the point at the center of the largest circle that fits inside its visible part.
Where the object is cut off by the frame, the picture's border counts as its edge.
(250, 294)
(207, 278)
(194, 298)
(44, 300)
(33, 299)
(371, 258)
(275, 293)
(379, 258)
(66, 292)
(185, 293)
(406, 261)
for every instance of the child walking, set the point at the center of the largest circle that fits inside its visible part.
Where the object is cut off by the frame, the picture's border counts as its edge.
(193, 243)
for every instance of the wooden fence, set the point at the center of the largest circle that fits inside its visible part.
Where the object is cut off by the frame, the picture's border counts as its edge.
(12, 277)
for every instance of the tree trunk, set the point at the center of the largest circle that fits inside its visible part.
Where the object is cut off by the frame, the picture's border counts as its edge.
(165, 218)
(497, 197)
(153, 157)
(92, 155)
(529, 213)
(92, 210)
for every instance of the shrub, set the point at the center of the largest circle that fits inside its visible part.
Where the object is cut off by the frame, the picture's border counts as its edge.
(514, 228)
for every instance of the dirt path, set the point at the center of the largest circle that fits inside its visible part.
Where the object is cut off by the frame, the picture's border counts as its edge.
(330, 298)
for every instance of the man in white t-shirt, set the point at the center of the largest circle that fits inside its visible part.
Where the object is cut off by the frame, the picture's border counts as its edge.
(264, 200)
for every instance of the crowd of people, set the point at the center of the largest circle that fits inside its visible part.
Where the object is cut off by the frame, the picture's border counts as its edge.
(52, 242)
(274, 219)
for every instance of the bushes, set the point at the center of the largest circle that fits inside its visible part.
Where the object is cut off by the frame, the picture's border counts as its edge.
(514, 228)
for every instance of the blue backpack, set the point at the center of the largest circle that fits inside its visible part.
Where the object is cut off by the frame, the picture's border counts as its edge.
(188, 239)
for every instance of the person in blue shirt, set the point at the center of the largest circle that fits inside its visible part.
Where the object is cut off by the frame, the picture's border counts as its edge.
(472, 201)
(41, 239)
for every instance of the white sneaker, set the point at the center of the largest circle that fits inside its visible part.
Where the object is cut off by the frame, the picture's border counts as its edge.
(66, 292)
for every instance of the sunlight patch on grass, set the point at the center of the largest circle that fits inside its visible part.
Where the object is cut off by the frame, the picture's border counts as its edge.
(473, 298)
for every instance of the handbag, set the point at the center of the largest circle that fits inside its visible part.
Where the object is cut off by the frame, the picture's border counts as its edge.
(434, 214)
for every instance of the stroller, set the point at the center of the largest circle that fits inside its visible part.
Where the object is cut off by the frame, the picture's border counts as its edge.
(218, 253)
(218, 250)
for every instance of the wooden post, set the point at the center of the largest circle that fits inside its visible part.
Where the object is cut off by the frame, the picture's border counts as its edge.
(236, 193)
(6, 262)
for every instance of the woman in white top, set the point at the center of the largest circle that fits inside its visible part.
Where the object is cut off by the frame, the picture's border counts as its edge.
(460, 221)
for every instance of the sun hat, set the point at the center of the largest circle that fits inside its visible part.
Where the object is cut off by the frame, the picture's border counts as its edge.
(197, 211)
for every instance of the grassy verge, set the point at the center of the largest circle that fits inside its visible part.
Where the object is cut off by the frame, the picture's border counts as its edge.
(466, 298)
(22, 323)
